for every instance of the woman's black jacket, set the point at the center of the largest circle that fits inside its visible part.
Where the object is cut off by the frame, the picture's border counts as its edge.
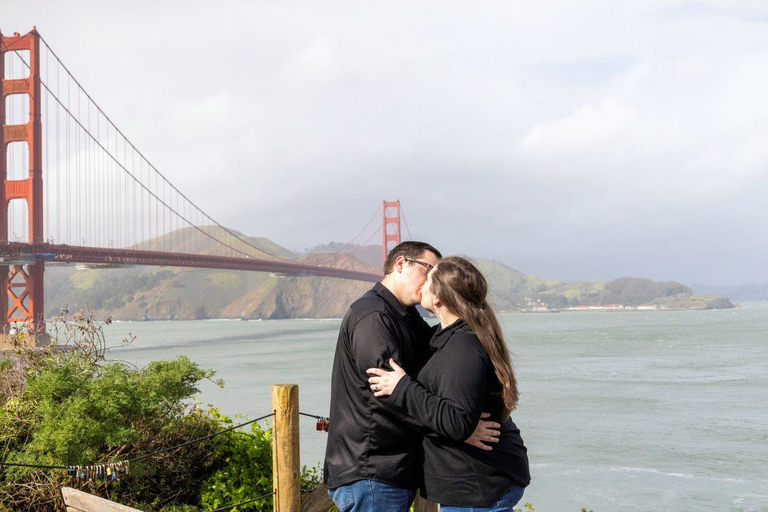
(450, 392)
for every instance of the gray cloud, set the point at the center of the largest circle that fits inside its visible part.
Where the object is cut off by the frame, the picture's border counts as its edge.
(572, 140)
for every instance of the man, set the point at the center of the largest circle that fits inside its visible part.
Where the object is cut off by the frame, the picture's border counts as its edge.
(373, 457)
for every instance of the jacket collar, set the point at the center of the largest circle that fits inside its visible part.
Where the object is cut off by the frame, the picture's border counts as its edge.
(442, 336)
(391, 299)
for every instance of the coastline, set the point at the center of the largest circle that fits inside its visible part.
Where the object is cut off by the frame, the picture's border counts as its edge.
(580, 309)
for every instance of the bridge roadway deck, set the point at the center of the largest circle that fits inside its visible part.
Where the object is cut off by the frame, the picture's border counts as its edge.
(17, 253)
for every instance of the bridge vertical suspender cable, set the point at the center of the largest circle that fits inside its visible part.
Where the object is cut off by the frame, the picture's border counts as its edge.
(106, 194)
(143, 188)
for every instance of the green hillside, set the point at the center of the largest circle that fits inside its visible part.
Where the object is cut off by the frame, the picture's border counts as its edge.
(189, 240)
(160, 293)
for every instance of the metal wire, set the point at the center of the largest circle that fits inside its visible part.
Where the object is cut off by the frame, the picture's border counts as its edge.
(136, 151)
(244, 502)
(41, 466)
(200, 438)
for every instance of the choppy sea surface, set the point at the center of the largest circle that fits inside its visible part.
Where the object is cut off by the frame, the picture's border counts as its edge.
(636, 411)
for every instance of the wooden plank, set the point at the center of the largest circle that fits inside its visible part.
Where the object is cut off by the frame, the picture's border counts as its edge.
(317, 500)
(80, 501)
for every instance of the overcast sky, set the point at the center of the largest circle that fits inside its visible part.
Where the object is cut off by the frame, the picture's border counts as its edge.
(573, 140)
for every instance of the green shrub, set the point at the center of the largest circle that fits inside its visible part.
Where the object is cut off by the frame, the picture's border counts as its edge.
(71, 406)
(247, 472)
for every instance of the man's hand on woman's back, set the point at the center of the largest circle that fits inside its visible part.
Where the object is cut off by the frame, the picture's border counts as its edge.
(485, 432)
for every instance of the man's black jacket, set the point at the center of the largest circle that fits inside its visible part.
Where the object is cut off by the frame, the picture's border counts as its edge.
(368, 438)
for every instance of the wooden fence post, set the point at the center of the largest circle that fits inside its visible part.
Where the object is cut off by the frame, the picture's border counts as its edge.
(422, 505)
(286, 468)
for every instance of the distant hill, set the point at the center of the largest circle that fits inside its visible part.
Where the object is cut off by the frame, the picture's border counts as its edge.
(153, 293)
(512, 290)
(368, 254)
(160, 293)
(754, 292)
(187, 240)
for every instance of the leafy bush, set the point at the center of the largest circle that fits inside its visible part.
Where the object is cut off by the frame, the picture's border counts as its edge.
(71, 406)
(247, 472)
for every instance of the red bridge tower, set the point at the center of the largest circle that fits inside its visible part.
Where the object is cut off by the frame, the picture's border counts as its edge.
(390, 227)
(21, 295)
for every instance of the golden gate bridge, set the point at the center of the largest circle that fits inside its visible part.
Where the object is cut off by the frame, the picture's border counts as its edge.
(76, 190)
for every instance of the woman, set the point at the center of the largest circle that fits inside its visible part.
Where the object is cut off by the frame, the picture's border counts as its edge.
(468, 372)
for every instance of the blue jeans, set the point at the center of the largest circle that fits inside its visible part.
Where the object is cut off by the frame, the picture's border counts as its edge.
(371, 496)
(504, 504)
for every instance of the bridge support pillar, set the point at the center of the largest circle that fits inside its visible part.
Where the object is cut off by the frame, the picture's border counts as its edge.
(4, 300)
(25, 297)
(390, 227)
(28, 306)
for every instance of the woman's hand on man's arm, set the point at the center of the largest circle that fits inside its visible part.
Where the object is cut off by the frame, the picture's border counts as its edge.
(382, 382)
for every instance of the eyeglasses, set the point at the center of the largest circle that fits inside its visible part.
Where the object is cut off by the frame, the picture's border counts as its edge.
(422, 263)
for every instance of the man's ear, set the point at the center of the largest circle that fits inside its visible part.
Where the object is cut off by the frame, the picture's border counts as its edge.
(399, 263)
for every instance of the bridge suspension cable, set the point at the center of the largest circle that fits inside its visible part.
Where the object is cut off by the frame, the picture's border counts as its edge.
(402, 214)
(104, 191)
(77, 189)
(357, 243)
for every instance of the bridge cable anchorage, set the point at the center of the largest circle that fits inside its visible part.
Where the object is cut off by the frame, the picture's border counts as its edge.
(149, 164)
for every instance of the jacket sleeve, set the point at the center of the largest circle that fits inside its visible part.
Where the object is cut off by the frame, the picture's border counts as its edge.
(462, 383)
(374, 341)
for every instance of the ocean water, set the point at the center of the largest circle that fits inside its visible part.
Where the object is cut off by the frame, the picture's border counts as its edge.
(658, 410)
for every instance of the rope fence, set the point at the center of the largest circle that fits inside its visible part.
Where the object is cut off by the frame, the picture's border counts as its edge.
(285, 465)
(229, 507)
(128, 461)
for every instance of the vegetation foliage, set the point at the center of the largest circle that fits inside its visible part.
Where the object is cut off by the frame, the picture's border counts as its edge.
(69, 405)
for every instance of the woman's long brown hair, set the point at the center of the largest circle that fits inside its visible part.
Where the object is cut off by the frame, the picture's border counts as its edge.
(463, 289)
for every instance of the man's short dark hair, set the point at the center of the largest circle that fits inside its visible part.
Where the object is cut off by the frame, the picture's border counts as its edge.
(410, 249)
